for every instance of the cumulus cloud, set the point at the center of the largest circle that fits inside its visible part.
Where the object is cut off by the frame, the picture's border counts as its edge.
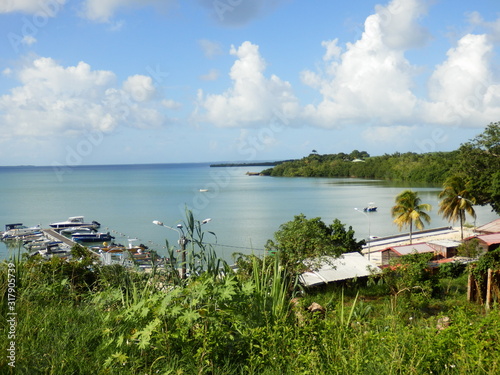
(492, 28)
(253, 98)
(461, 89)
(371, 80)
(48, 8)
(56, 100)
(398, 22)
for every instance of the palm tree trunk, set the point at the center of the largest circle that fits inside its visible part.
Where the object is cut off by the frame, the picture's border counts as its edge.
(411, 231)
(462, 214)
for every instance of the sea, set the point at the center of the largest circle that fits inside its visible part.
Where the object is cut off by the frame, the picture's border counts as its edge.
(245, 210)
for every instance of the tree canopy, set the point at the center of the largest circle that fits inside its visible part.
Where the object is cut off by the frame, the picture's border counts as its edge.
(409, 211)
(304, 238)
(479, 161)
(457, 199)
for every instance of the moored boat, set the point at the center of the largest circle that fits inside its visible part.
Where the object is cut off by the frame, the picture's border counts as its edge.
(18, 230)
(82, 229)
(75, 221)
(91, 237)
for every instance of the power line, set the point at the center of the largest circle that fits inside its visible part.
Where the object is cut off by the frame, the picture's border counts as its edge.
(232, 246)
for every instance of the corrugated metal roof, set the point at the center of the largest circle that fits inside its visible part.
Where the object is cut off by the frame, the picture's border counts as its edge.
(347, 266)
(419, 248)
(491, 227)
(445, 243)
(489, 239)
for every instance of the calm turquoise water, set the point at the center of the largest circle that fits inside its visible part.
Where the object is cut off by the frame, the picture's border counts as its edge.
(245, 210)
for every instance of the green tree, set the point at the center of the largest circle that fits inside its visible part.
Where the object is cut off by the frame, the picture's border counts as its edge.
(456, 201)
(304, 238)
(409, 211)
(479, 161)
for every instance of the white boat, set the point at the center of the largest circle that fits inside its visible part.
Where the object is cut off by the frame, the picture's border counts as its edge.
(82, 229)
(75, 221)
(19, 230)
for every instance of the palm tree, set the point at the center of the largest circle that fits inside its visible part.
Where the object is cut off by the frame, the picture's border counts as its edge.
(409, 211)
(457, 200)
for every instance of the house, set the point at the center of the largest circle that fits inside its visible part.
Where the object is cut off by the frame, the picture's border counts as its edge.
(347, 266)
(399, 251)
(487, 242)
(489, 228)
(444, 248)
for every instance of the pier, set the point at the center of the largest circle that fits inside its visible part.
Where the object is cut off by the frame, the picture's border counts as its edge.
(53, 235)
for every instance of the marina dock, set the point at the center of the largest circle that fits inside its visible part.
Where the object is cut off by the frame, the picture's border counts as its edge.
(53, 235)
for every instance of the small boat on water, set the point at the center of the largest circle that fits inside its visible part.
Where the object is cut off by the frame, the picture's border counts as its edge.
(370, 208)
(18, 230)
(82, 229)
(91, 237)
(75, 221)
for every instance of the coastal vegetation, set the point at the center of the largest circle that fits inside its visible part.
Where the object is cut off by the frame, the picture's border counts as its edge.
(409, 211)
(80, 317)
(410, 166)
(476, 163)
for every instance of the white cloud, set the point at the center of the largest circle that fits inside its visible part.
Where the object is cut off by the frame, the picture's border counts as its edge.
(56, 100)
(371, 80)
(387, 134)
(399, 23)
(28, 40)
(253, 99)
(47, 8)
(461, 91)
(492, 28)
(140, 88)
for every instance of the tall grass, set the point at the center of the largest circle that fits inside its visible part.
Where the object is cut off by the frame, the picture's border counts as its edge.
(223, 323)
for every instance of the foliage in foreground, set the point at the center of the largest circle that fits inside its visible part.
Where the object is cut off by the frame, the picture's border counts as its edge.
(123, 322)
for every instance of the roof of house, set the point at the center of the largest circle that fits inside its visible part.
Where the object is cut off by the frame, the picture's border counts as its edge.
(347, 266)
(419, 248)
(491, 227)
(445, 243)
(488, 239)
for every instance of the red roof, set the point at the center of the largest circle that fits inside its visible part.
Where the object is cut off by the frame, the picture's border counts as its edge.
(491, 227)
(419, 248)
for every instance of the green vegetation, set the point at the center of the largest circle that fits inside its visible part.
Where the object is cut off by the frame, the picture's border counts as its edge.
(476, 163)
(124, 322)
(479, 162)
(79, 317)
(409, 211)
(429, 168)
(304, 238)
(457, 200)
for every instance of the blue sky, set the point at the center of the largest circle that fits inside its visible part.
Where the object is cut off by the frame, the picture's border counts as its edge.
(169, 81)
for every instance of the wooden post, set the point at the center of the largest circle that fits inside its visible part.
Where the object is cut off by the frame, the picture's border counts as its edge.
(470, 287)
(489, 286)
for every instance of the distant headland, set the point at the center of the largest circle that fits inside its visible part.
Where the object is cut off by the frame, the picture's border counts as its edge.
(251, 164)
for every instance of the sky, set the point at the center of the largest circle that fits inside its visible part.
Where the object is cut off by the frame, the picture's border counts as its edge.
(170, 81)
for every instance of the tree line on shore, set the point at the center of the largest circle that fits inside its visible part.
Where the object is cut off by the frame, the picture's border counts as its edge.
(476, 163)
